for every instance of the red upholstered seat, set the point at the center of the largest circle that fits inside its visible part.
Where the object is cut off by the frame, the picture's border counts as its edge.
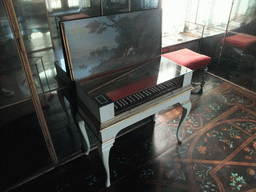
(191, 60)
(188, 58)
(241, 41)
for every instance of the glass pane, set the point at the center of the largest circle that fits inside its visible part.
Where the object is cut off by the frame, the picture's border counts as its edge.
(243, 17)
(193, 29)
(171, 10)
(87, 8)
(191, 10)
(43, 69)
(210, 45)
(66, 137)
(239, 50)
(115, 6)
(54, 4)
(137, 5)
(73, 3)
(210, 13)
(189, 32)
(13, 85)
(23, 149)
(33, 24)
(39, 23)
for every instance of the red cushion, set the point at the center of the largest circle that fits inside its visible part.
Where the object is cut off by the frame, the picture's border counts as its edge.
(188, 58)
(132, 88)
(241, 41)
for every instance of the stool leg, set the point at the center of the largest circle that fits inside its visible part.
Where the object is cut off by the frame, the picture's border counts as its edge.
(203, 79)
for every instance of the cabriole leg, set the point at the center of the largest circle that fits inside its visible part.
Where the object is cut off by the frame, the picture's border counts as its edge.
(186, 109)
(64, 106)
(81, 125)
(104, 149)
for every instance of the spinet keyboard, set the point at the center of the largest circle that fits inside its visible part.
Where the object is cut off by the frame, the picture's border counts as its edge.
(145, 95)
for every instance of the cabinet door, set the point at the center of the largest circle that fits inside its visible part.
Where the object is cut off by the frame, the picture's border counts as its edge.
(238, 58)
(23, 148)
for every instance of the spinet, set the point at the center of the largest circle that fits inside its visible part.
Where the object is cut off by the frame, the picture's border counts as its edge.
(139, 84)
(149, 81)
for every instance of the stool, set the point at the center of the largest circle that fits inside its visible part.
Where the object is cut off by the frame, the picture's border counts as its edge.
(241, 42)
(191, 60)
(244, 47)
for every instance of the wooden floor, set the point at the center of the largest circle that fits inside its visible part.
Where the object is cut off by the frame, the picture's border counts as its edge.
(218, 152)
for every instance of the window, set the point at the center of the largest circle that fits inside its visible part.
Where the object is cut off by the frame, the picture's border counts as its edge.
(65, 4)
(211, 13)
(73, 3)
(54, 4)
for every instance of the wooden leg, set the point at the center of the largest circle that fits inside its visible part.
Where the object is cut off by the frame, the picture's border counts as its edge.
(202, 83)
(186, 109)
(153, 119)
(203, 79)
(104, 149)
(82, 127)
(64, 106)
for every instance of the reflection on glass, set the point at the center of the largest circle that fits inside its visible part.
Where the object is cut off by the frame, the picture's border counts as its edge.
(171, 11)
(71, 6)
(210, 44)
(65, 136)
(152, 73)
(193, 29)
(13, 85)
(240, 50)
(115, 6)
(54, 5)
(36, 34)
(135, 87)
(38, 39)
(243, 17)
(76, 9)
(137, 5)
(213, 13)
(34, 24)
(239, 46)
